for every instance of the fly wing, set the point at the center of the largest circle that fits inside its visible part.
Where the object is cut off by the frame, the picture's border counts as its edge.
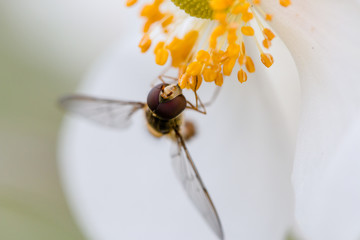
(193, 185)
(112, 113)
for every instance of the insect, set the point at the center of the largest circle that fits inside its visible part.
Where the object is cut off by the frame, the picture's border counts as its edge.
(163, 113)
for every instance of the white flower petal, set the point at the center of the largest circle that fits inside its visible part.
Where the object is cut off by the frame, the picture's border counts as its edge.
(323, 37)
(121, 185)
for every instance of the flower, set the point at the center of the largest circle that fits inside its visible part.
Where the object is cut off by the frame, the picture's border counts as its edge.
(245, 148)
(214, 39)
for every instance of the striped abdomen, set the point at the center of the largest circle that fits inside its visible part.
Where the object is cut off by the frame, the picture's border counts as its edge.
(161, 126)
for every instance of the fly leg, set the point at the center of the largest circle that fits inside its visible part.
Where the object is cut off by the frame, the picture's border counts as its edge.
(163, 76)
(213, 97)
(198, 106)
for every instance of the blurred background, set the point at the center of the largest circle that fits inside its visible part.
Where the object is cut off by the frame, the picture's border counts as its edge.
(46, 48)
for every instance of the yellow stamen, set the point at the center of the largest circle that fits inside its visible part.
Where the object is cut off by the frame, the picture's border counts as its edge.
(249, 64)
(194, 68)
(184, 80)
(195, 82)
(243, 48)
(218, 5)
(240, 8)
(145, 43)
(269, 34)
(266, 43)
(228, 66)
(247, 30)
(220, 16)
(219, 80)
(247, 16)
(268, 17)
(242, 76)
(233, 50)
(203, 56)
(232, 36)
(285, 3)
(219, 30)
(200, 53)
(130, 2)
(218, 57)
(158, 46)
(242, 59)
(267, 59)
(161, 56)
(181, 48)
(167, 21)
(209, 75)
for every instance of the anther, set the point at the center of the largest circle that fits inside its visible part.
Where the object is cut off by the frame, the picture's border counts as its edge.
(130, 2)
(285, 3)
(161, 56)
(219, 80)
(267, 59)
(194, 68)
(242, 77)
(249, 64)
(145, 43)
(268, 33)
(247, 30)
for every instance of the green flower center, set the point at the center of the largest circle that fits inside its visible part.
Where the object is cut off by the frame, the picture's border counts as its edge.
(195, 8)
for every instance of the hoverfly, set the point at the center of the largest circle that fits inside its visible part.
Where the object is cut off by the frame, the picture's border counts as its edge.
(163, 112)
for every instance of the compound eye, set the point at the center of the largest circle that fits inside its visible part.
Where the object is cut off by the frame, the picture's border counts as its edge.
(167, 109)
(153, 96)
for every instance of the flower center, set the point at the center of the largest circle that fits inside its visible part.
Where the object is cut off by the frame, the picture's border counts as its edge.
(214, 41)
(195, 8)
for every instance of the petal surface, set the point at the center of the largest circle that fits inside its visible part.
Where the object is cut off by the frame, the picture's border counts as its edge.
(323, 37)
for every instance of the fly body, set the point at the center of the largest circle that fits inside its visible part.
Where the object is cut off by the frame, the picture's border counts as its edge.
(163, 112)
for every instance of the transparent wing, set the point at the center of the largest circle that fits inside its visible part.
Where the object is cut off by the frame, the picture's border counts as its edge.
(112, 113)
(193, 185)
